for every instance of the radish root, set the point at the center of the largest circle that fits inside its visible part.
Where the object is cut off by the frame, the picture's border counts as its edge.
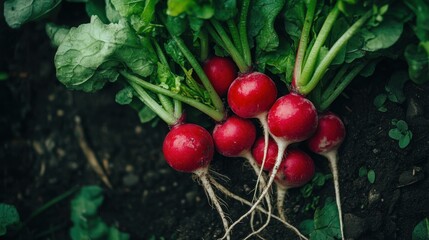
(281, 193)
(203, 176)
(332, 157)
(229, 194)
(281, 149)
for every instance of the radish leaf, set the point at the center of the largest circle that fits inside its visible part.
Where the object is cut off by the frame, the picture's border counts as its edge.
(421, 230)
(8, 216)
(18, 12)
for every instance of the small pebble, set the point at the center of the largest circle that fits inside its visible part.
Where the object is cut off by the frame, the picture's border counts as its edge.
(373, 196)
(138, 130)
(375, 150)
(51, 97)
(73, 165)
(61, 152)
(60, 112)
(129, 168)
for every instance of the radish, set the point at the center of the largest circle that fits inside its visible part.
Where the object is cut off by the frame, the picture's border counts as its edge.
(234, 138)
(258, 153)
(327, 139)
(292, 118)
(296, 169)
(221, 72)
(190, 148)
(251, 96)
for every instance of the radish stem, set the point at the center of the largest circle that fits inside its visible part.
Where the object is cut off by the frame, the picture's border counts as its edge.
(243, 33)
(235, 35)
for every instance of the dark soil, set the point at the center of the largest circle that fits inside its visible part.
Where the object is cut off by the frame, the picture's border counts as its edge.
(41, 158)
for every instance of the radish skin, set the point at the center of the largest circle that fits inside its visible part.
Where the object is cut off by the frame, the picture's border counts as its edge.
(326, 140)
(221, 72)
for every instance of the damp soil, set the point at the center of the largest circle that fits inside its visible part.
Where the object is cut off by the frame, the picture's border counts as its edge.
(40, 158)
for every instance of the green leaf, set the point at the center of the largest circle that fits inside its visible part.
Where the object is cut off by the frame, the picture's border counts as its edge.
(261, 23)
(124, 96)
(371, 176)
(307, 226)
(146, 115)
(177, 7)
(200, 9)
(225, 9)
(395, 134)
(138, 13)
(363, 171)
(18, 12)
(56, 33)
(294, 16)
(98, 8)
(92, 54)
(405, 140)
(326, 220)
(402, 126)
(8, 216)
(319, 179)
(280, 62)
(379, 100)
(306, 190)
(421, 230)
(384, 35)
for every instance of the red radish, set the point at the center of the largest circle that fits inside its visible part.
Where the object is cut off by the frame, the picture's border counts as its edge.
(190, 148)
(258, 153)
(326, 140)
(251, 95)
(295, 170)
(221, 72)
(234, 138)
(292, 118)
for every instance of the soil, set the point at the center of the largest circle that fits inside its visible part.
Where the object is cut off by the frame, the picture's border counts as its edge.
(41, 158)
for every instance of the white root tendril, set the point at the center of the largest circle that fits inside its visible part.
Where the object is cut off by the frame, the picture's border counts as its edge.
(281, 149)
(204, 177)
(263, 120)
(229, 194)
(281, 194)
(332, 157)
(259, 188)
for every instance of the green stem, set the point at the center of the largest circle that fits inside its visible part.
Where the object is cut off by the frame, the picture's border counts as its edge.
(230, 48)
(215, 36)
(217, 102)
(310, 64)
(204, 45)
(333, 52)
(338, 77)
(235, 35)
(166, 102)
(152, 104)
(215, 114)
(243, 33)
(343, 84)
(303, 41)
(178, 109)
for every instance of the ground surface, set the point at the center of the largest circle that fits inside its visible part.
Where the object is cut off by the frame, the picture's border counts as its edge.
(40, 158)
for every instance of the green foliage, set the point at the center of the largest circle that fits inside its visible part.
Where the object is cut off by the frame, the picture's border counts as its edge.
(56, 33)
(92, 54)
(18, 12)
(9, 216)
(325, 223)
(394, 91)
(421, 230)
(307, 191)
(124, 96)
(369, 174)
(401, 133)
(86, 222)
